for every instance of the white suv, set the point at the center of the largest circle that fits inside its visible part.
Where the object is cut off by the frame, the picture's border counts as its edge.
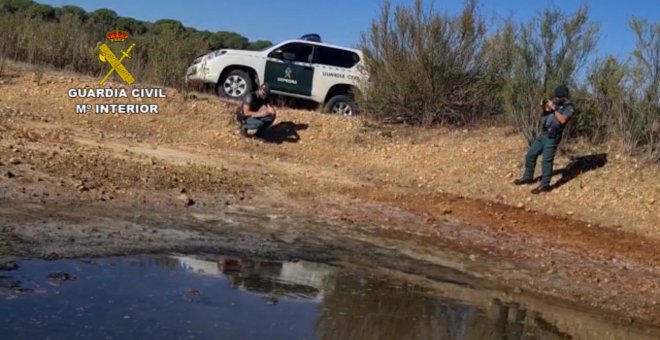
(301, 68)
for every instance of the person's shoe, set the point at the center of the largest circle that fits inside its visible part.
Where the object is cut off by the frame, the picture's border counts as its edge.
(521, 181)
(541, 188)
(243, 132)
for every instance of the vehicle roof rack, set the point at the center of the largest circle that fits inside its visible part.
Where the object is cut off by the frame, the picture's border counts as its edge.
(311, 37)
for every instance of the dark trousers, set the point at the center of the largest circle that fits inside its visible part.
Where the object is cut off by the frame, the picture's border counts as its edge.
(259, 124)
(542, 145)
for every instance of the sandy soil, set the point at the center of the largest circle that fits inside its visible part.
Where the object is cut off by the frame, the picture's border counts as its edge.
(329, 187)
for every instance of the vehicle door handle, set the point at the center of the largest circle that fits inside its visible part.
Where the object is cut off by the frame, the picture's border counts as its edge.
(308, 67)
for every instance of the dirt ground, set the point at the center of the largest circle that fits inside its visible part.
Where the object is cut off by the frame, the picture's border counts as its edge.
(183, 179)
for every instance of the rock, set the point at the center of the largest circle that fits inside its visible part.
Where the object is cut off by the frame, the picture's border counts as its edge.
(7, 266)
(14, 161)
(10, 174)
(61, 276)
(446, 211)
(51, 257)
(520, 205)
(187, 201)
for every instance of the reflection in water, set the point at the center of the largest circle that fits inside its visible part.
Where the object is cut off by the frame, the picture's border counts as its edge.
(299, 279)
(377, 311)
(155, 297)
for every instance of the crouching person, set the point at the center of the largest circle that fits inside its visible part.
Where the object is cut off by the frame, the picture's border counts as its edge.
(256, 112)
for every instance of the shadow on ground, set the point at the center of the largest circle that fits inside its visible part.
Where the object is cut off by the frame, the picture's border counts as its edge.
(283, 132)
(577, 166)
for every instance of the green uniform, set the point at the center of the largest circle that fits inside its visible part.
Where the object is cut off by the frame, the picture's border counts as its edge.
(546, 144)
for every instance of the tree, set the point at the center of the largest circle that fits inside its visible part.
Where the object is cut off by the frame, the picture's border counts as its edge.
(549, 50)
(168, 26)
(426, 67)
(43, 12)
(642, 127)
(134, 27)
(75, 11)
(224, 39)
(104, 18)
(15, 6)
(259, 45)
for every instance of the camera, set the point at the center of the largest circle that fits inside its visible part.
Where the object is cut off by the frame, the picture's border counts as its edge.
(543, 107)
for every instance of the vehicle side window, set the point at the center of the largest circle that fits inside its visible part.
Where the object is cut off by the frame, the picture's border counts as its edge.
(293, 52)
(336, 57)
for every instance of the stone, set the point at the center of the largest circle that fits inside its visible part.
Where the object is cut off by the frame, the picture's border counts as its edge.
(8, 266)
(185, 200)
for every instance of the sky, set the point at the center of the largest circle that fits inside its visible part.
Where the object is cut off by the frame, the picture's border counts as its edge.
(341, 22)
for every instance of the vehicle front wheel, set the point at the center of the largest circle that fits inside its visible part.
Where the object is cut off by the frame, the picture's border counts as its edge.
(235, 85)
(341, 105)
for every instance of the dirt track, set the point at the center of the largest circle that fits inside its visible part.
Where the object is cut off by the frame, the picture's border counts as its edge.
(74, 185)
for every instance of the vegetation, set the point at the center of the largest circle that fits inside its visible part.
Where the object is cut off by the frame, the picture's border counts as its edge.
(67, 37)
(428, 68)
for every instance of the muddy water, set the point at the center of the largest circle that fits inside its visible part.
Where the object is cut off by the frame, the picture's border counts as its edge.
(221, 297)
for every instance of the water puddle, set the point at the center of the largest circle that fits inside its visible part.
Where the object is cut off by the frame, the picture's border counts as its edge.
(219, 297)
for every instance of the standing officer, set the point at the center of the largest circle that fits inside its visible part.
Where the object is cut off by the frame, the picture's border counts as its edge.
(556, 113)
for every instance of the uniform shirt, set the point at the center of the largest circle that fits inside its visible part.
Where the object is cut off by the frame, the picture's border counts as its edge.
(550, 121)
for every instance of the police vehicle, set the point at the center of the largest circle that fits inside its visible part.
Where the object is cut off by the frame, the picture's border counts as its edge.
(304, 68)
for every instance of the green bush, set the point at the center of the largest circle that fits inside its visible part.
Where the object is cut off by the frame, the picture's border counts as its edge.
(67, 37)
(427, 67)
(549, 50)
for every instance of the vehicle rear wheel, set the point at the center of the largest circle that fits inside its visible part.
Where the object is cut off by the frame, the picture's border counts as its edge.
(235, 85)
(341, 105)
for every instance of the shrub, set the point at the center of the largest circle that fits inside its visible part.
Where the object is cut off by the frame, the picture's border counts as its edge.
(549, 50)
(67, 37)
(427, 67)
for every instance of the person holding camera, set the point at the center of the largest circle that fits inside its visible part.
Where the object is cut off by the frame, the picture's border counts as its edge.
(556, 113)
(255, 111)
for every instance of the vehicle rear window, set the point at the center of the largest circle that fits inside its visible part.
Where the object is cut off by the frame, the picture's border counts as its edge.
(336, 57)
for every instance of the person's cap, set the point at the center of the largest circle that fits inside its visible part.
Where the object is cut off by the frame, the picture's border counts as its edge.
(265, 87)
(561, 91)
